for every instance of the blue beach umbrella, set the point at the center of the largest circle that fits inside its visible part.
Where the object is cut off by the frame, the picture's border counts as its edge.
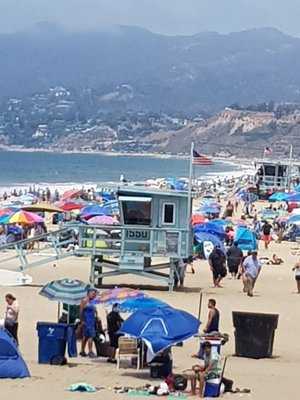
(93, 210)
(201, 237)
(141, 303)
(161, 327)
(294, 197)
(212, 228)
(279, 196)
(293, 219)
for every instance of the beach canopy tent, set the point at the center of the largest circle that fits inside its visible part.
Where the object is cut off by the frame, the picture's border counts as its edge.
(245, 238)
(12, 364)
(161, 327)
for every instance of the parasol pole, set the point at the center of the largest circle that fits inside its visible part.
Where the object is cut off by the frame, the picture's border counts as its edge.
(58, 311)
(200, 304)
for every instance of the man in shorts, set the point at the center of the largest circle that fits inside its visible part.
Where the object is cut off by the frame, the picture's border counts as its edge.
(266, 237)
(217, 263)
(251, 269)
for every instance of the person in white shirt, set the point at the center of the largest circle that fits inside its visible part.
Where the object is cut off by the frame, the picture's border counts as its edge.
(11, 316)
(251, 269)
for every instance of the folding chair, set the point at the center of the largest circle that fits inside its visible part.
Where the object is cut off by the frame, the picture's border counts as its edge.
(128, 348)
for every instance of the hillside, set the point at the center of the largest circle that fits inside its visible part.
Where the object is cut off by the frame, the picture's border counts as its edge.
(203, 72)
(235, 132)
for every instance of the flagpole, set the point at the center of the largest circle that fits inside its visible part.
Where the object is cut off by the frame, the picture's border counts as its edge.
(189, 208)
(290, 167)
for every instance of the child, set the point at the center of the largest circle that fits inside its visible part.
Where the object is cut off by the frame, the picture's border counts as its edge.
(297, 275)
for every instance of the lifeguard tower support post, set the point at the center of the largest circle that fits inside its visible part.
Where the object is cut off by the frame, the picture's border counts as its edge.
(153, 223)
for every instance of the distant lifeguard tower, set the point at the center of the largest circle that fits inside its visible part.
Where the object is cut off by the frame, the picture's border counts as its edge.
(153, 223)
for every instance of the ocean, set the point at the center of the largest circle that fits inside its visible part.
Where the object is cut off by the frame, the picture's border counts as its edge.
(42, 168)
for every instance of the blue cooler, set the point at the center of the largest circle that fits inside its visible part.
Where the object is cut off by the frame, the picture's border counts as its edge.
(212, 388)
(52, 341)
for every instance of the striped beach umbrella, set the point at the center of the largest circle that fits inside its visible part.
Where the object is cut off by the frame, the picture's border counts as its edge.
(25, 218)
(67, 291)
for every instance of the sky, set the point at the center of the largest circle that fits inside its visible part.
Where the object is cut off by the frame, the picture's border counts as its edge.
(173, 17)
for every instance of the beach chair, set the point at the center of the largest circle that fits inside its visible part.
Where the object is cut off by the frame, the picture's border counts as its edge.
(128, 348)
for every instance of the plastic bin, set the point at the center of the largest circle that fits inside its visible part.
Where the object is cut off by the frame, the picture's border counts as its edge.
(52, 341)
(254, 334)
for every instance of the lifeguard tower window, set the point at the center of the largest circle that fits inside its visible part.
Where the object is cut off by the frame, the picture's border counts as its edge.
(136, 210)
(169, 213)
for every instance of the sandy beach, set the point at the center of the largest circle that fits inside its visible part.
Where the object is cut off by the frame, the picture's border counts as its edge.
(274, 378)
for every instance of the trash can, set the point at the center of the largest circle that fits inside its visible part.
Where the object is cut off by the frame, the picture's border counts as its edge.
(52, 341)
(254, 334)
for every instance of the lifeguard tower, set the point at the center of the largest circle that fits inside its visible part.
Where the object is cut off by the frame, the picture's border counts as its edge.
(274, 176)
(153, 223)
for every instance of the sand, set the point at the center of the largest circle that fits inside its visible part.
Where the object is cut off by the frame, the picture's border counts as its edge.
(274, 378)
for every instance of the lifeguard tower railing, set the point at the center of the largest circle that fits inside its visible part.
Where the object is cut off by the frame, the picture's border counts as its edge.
(128, 249)
(52, 246)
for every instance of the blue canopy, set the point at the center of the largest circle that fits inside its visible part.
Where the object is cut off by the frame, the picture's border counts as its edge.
(12, 364)
(245, 238)
(212, 228)
(161, 327)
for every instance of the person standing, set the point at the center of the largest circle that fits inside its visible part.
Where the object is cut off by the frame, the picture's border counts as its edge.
(88, 318)
(213, 318)
(11, 318)
(251, 269)
(266, 237)
(217, 262)
(234, 259)
(296, 269)
(114, 322)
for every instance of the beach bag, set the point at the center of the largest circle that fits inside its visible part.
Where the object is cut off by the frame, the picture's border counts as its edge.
(58, 360)
(180, 383)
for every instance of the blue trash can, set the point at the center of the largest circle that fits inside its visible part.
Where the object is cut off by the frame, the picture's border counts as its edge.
(52, 341)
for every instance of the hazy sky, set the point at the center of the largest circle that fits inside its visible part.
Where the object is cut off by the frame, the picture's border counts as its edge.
(165, 16)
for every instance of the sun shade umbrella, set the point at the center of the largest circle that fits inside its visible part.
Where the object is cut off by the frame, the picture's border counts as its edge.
(72, 194)
(161, 327)
(93, 210)
(68, 291)
(102, 220)
(118, 295)
(279, 196)
(25, 218)
(8, 211)
(141, 303)
(70, 206)
(43, 207)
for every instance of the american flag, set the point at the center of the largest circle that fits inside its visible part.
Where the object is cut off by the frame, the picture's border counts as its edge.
(267, 151)
(199, 159)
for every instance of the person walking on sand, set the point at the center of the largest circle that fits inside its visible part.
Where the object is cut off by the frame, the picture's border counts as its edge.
(234, 259)
(217, 262)
(11, 316)
(251, 268)
(266, 236)
(296, 269)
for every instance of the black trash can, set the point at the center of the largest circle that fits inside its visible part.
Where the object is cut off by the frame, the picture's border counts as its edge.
(254, 334)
